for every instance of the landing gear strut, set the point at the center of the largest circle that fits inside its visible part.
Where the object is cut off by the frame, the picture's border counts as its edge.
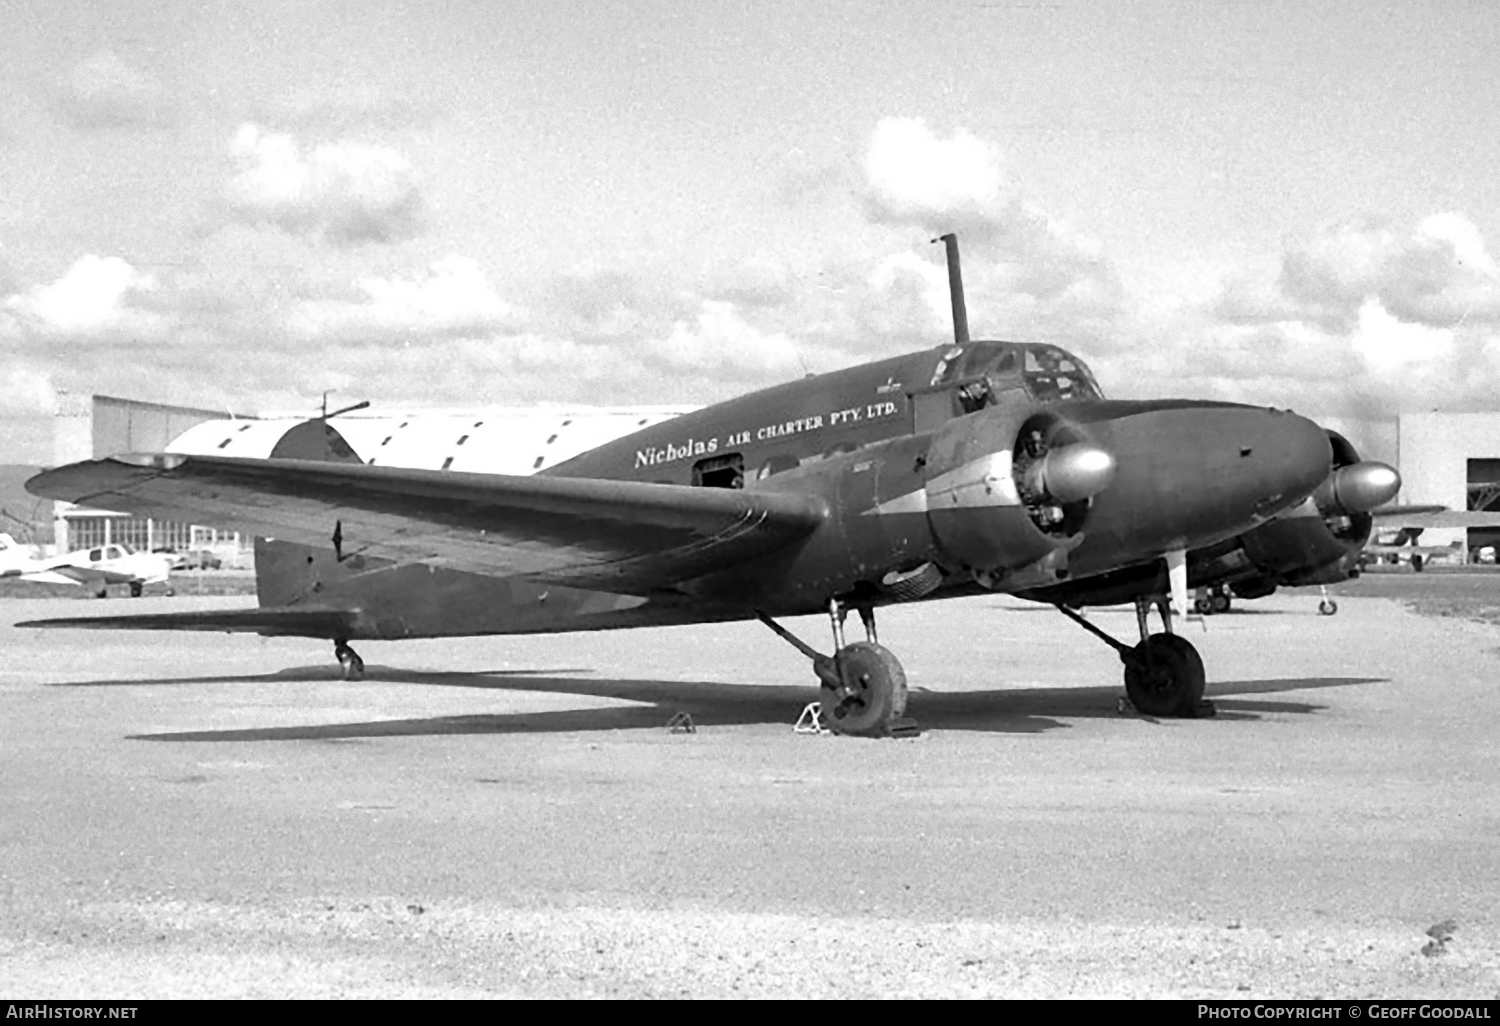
(1164, 673)
(864, 686)
(354, 666)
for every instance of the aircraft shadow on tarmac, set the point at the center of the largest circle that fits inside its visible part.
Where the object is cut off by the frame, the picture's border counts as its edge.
(1002, 710)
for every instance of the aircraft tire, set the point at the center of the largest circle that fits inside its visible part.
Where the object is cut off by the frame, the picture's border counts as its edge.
(1174, 684)
(874, 693)
(1220, 601)
(135, 589)
(1328, 607)
(1204, 606)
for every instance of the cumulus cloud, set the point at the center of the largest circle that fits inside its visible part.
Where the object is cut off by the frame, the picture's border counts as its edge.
(105, 92)
(346, 192)
(954, 184)
(1438, 274)
(719, 340)
(452, 299)
(1023, 269)
(1353, 323)
(98, 297)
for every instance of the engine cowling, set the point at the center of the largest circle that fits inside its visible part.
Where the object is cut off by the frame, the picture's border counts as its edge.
(1319, 541)
(1007, 487)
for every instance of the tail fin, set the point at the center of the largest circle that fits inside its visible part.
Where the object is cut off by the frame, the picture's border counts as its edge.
(315, 440)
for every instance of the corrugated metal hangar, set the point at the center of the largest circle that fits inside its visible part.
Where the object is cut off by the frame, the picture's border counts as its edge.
(1452, 460)
(493, 440)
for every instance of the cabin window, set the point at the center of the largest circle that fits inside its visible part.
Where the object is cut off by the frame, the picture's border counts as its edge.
(727, 471)
(777, 465)
(462, 439)
(96, 555)
(447, 463)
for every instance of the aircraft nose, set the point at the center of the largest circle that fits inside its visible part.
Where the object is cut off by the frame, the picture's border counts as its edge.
(1192, 473)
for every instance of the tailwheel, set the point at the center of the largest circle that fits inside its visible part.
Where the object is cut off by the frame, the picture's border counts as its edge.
(871, 696)
(354, 666)
(1164, 676)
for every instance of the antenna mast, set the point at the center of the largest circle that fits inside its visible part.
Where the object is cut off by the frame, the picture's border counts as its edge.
(956, 289)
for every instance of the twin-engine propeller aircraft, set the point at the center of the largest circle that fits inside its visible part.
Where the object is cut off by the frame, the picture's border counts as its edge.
(95, 568)
(970, 468)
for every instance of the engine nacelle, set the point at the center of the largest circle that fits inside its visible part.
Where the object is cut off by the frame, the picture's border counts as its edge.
(1009, 485)
(1317, 542)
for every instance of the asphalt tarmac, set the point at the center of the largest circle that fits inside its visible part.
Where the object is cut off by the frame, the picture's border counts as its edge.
(214, 815)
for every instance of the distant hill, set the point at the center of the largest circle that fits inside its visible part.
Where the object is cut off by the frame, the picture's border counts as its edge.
(17, 502)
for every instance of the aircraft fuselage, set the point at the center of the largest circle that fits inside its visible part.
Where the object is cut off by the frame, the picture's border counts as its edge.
(918, 460)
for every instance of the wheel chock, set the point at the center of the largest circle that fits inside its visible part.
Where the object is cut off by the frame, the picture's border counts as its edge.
(682, 723)
(811, 720)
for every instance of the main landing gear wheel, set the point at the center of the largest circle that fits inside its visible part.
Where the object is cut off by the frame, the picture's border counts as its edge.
(135, 589)
(872, 693)
(354, 666)
(1220, 601)
(1326, 606)
(1168, 679)
(863, 689)
(1164, 673)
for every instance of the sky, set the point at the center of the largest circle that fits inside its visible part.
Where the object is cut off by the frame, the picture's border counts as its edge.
(243, 205)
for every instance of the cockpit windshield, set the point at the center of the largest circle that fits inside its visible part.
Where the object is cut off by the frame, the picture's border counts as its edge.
(1055, 375)
(981, 370)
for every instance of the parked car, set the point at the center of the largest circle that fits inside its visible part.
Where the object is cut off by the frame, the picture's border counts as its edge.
(203, 559)
(195, 559)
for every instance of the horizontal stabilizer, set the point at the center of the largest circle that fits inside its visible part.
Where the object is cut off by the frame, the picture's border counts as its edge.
(296, 621)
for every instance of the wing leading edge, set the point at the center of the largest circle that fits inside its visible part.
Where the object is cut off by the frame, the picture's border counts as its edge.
(621, 536)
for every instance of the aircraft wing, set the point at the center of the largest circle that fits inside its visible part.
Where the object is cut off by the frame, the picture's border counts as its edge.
(50, 576)
(621, 536)
(1435, 516)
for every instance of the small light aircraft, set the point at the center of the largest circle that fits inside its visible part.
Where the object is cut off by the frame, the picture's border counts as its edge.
(1402, 545)
(96, 568)
(975, 467)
